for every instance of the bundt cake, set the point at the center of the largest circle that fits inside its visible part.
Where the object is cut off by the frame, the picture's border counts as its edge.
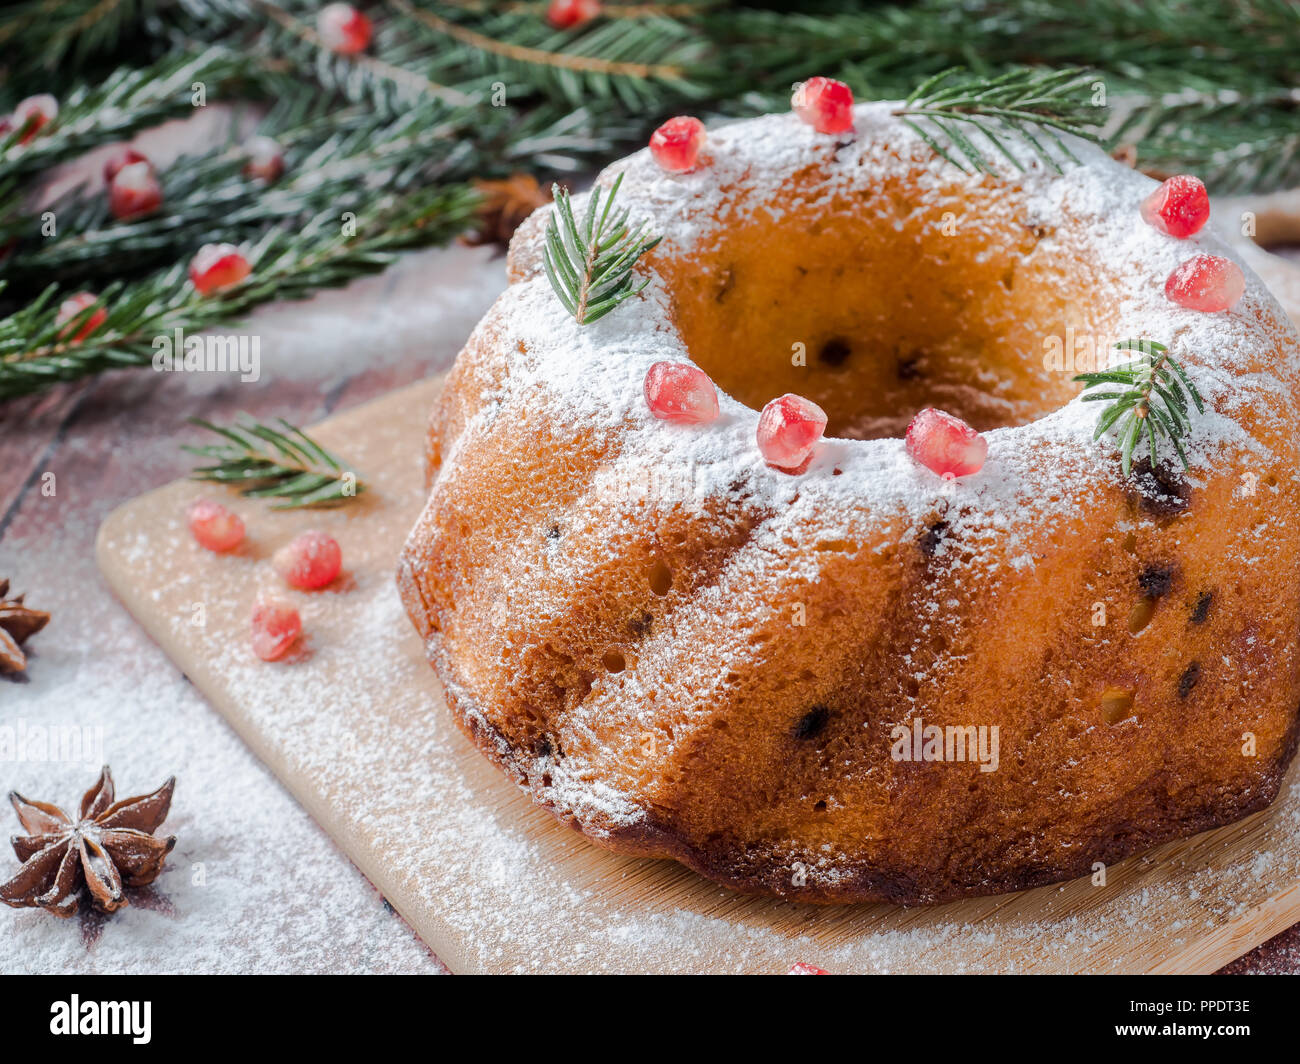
(998, 653)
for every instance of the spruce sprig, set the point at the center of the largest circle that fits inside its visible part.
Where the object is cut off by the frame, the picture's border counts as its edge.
(1151, 403)
(590, 265)
(1033, 106)
(273, 462)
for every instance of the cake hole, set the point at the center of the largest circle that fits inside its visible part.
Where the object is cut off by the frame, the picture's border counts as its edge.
(1130, 543)
(661, 577)
(613, 660)
(1140, 615)
(820, 807)
(835, 351)
(812, 723)
(1116, 705)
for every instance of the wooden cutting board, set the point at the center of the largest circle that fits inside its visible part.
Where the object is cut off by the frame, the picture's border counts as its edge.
(355, 727)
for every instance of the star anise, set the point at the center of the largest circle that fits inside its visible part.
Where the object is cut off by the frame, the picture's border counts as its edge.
(17, 622)
(504, 206)
(109, 846)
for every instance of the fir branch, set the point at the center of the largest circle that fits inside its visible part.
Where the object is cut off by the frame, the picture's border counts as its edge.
(1152, 402)
(274, 463)
(590, 266)
(1020, 104)
(286, 265)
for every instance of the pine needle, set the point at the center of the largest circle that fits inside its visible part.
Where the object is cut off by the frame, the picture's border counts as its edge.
(1151, 403)
(956, 113)
(274, 463)
(590, 265)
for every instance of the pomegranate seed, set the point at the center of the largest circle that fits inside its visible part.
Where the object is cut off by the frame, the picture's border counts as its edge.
(1206, 282)
(122, 156)
(1179, 207)
(218, 266)
(804, 968)
(825, 104)
(265, 159)
(276, 625)
(134, 191)
(70, 308)
(215, 527)
(34, 114)
(676, 144)
(679, 391)
(788, 431)
(343, 28)
(946, 444)
(309, 560)
(565, 14)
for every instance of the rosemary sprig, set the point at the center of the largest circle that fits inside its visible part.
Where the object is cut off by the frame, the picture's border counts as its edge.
(1134, 413)
(1033, 106)
(590, 266)
(280, 463)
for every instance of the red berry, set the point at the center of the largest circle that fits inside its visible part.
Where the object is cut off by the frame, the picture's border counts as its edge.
(1179, 207)
(218, 266)
(215, 527)
(679, 391)
(122, 156)
(676, 144)
(825, 104)
(804, 968)
(34, 114)
(134, 192)
(309, 560)
(1206, 282)
(788, 431)
(946, 444)
(276, 625)
(343, 28)
(265, 159)
(70, 308)
(565, 14)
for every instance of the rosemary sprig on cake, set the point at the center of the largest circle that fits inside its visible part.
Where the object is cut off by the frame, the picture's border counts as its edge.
(1151, 402)
(274, 463)
(590, 265)
(1032, 106)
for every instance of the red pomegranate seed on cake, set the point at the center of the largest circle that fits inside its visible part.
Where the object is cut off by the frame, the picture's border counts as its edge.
(804, 968)
(343, 28)
(276, 625)
(1206, 282)
(946, 444)
(679, 391)
(215, 527)
(218, 266)
(265, 159)
(676, 144)
(309, 560)
(34, 114)
(1179, 207)
(70, 308)
(565, 14)
(788, 431)
(134, 191)
(825, 104)
(122, 156)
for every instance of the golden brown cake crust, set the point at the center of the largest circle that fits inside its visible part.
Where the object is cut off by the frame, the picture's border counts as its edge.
(683, 653)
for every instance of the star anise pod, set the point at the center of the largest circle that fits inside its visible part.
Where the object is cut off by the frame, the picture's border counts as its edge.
(504, 206)
(17, 622)
(109, 846)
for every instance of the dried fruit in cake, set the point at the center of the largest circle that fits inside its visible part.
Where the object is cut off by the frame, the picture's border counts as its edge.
(309, 561)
